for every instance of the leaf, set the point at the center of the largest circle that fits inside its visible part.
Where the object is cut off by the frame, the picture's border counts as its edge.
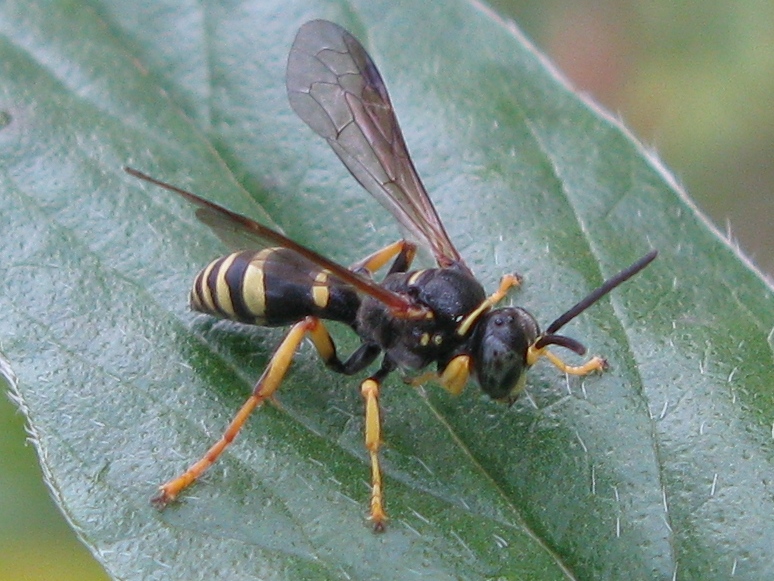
(659, 468)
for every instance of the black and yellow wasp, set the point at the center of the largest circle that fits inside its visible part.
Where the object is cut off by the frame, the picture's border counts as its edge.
(412, 318)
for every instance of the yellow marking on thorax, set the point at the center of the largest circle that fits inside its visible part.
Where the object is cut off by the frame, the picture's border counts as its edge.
(414, 277)
(320, 291)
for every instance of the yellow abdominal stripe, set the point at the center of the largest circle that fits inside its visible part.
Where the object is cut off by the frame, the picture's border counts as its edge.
(252, 284)
(204, 294)
(320, 291)
(222, 291)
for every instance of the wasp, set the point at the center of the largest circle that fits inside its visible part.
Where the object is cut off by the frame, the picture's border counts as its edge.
(438, 316)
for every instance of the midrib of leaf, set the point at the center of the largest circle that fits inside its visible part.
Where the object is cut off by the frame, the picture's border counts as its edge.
(520, 525)
(638, 383)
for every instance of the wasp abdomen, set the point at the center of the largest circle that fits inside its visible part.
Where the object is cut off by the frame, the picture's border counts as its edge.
(271, 287)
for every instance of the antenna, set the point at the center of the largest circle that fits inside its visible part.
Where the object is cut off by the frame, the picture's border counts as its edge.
(549, 337)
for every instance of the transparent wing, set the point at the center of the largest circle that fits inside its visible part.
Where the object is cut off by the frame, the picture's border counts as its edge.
(334, 86)
(242, 233)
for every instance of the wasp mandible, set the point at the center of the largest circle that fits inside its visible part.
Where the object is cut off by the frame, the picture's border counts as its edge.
(412, 318)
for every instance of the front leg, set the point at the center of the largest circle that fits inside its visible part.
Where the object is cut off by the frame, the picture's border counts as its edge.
(453, 378)
(593, 364)
(507, 282)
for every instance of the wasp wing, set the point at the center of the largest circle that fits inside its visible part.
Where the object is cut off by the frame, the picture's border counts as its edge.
(335, 87)
(242, 233)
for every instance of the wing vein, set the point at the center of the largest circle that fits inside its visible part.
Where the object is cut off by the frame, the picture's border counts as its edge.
(336, 89)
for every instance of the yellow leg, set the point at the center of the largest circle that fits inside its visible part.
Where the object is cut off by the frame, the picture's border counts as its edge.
(370, 391)
(321, 340)
(453, 378)
(593, 364)
(380, 258)
(507, 282)
(264, 388)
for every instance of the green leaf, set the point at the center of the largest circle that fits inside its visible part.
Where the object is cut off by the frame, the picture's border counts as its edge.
(660, 468)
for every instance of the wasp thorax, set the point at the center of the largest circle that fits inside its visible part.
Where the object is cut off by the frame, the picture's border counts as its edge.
(500, 346)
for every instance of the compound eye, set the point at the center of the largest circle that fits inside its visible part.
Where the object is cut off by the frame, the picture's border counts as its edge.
(500, 351)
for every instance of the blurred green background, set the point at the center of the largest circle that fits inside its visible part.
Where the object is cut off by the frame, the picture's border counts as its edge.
(694, 80)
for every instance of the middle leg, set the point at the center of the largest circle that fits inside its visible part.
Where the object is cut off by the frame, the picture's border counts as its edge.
(403, 251)
(373, 440)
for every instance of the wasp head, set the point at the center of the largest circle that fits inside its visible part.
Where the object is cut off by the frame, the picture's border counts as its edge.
(500, 344)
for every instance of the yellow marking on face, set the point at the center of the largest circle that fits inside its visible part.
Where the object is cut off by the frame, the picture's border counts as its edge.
(222, 290)
(253, 292)
(533, 355)
(320, 291)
